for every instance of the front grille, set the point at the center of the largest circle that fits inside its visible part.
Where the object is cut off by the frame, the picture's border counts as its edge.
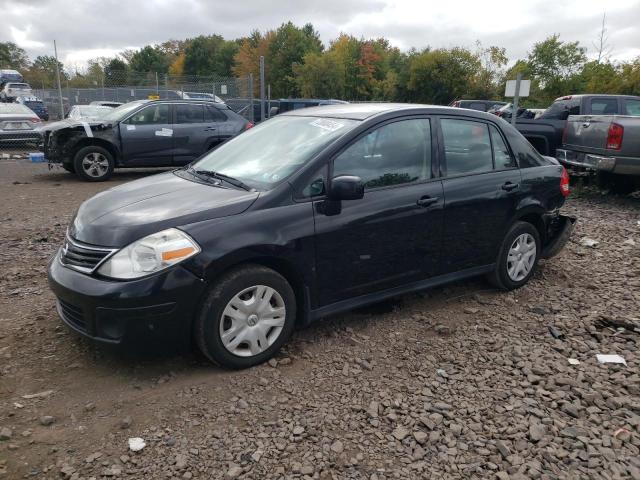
(72, 314)
(83, 257)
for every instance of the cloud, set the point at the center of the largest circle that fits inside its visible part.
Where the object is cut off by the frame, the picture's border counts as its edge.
(86, 29)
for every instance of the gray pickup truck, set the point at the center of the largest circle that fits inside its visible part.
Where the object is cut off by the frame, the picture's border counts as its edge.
(609, 144)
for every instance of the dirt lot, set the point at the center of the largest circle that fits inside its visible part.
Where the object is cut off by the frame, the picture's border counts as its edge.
(459, 382)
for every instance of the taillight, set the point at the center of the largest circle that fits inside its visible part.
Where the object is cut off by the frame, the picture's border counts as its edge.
(564, 183)
(248, 126)
(614, 136)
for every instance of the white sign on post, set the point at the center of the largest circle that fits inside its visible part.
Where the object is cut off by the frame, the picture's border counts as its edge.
(510, 89)
(223, 89)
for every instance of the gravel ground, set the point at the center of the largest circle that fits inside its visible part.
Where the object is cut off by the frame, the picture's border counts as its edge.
(458, 382)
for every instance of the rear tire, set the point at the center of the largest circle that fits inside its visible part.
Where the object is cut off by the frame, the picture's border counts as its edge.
(93, 163)
(518, 257)
(246, 317)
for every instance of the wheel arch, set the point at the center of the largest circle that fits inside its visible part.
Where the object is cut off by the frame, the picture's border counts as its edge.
(534, 216)
(284, 267)
(100, 142)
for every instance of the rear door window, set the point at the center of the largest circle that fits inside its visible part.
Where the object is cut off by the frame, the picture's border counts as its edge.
(189, 113)
(502, 158)
(604, 106)
(632, 107)
(467, 147)
(212, 114)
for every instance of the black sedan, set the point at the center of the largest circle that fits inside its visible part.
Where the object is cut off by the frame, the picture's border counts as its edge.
(311, 213)
(144, 133)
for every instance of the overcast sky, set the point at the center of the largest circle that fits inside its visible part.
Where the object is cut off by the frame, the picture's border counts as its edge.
(87, 29)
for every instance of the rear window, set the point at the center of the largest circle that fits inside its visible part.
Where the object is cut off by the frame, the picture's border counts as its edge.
(14, 108)
(632, 107)
(478, 106)
(561, 109)
(34, 104)
(604, 106)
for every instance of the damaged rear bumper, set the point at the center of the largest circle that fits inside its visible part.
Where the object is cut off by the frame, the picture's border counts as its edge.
(559, 233)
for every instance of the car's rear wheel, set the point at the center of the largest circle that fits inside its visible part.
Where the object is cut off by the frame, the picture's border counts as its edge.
(518, 257)
(93, 163)
(246, 317)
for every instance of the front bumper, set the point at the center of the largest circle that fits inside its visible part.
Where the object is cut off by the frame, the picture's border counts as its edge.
(153, 310)
(619, 165)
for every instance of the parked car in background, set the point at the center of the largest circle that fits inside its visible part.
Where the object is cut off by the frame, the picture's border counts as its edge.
(10, 76)
(314, 212)
(13, 90)
(18, 124)
(545, 132)
(609, 144)
(106, 103)
(506, 112)
(143, 133)
(289, 104)
(480, 105)
(36, 105)
(88, 112)
(179, 94)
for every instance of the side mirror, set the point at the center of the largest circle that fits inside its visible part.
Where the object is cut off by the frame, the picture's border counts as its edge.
(346, 187)
(273, 111)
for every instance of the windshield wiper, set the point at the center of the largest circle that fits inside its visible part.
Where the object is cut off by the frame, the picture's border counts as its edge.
(221, 176)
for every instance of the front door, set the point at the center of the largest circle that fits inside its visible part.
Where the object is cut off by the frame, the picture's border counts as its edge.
(194, 132)
(147, 137)
(482, 187)
(392, 236)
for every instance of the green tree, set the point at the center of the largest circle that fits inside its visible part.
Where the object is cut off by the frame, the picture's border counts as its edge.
(149, 59)
(209, 55)
(319, 76)
(442, 75)
(116, 73)
(12, 56)
(288, 47)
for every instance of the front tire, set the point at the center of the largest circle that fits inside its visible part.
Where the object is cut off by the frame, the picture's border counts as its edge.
(246, 317)
(93, 163)
(518, 257)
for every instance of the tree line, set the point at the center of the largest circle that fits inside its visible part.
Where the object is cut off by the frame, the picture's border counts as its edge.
(297, 64)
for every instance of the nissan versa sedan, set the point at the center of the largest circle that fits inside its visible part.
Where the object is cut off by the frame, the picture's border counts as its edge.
(311, 213)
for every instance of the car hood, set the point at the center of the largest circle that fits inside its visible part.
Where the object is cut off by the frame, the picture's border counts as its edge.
(123, 214)
(74, 125)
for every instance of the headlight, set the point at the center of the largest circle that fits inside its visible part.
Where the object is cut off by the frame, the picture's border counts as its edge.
(150, 255)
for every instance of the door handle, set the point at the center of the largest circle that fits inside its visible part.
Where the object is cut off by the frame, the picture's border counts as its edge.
(508, 186)
(210, 129)
(426, 201)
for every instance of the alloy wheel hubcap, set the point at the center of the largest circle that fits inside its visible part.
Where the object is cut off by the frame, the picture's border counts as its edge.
(252, 321)
(95, 164)
(521, 257)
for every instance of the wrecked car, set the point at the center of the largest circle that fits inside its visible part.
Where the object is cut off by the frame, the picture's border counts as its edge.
(156, 133)
(314, 212)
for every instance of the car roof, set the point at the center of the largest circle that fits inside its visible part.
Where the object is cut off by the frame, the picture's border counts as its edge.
(362, 111)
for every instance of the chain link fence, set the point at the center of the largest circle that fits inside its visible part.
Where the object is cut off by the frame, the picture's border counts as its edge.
(18, 133)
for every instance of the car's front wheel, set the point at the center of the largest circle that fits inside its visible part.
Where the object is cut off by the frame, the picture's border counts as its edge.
(518, 257)
(246, 317)
(93, 163)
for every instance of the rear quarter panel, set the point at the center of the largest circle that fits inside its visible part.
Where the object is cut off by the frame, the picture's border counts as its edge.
(540, 190)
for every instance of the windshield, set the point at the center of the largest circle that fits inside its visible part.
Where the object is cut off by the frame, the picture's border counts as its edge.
(118, 113)
(275, 149)
(93, 111)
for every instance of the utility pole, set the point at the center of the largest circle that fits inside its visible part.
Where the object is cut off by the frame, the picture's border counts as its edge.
(55, 50)
(261, 88)
(516, 97)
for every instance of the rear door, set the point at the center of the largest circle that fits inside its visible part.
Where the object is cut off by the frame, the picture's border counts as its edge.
(147, 136)
(194, 132)
(481, 191)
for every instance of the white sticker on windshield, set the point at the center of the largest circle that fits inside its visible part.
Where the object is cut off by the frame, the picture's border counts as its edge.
(329, 125)
(131, 127)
